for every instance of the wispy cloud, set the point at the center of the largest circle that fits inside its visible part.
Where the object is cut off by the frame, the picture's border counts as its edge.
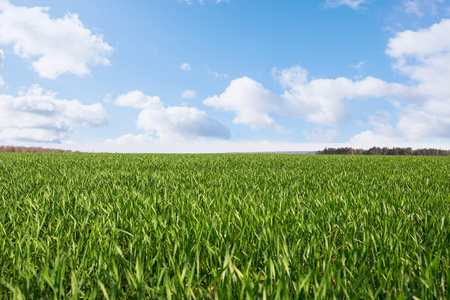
(354, 4)
(188, 94)
(359, 68)
(422, 7)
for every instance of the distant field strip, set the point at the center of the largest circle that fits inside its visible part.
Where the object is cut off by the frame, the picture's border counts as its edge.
(227, 226)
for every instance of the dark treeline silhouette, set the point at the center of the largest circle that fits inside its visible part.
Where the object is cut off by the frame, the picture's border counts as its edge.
(31, 150)
(385, 151)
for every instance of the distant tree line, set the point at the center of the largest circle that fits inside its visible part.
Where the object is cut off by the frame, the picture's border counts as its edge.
(385, 151)
(31, 150)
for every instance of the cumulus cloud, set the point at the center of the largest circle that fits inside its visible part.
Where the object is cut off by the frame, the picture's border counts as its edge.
(171, 122)
(181, 121)
(250, 102)
(319, 100)
(137, 99)
(57, 46)
(37, 115)
(424, 55)
(185, 67)
(354, 4)
(188, 94)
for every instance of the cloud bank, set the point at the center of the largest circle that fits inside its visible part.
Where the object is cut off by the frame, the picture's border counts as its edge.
(37, 115)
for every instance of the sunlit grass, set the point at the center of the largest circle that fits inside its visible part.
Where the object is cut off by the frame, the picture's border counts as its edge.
(224, 226)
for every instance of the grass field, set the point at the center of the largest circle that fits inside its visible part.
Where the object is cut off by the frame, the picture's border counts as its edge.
(225, 226)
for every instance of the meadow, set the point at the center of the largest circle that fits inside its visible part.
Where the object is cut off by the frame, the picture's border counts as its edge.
(224, 226)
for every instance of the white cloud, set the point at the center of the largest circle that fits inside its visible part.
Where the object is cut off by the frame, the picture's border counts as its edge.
(354, 4)
(59, 46)
(424, 56)
(250, 101)
(319, 101)
(383, 134)
(37, 115)
(136, 99)
(188, 94)
(417, 124)
(185, 67)
(186, 122)
(171, 122)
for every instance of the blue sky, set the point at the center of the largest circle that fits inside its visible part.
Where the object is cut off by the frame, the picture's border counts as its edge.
(224, 76)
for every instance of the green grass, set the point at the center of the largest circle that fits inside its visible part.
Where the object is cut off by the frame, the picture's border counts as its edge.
(224, 226)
